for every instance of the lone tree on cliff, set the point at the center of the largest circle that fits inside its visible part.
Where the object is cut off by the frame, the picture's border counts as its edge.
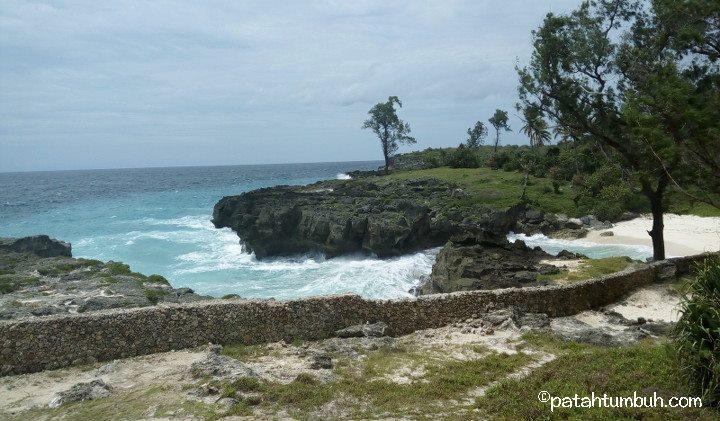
(476, 135)
(640, 80)
(388, 127)
(499, 121)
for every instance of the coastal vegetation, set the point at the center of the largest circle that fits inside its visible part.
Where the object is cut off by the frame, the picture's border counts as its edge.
(639, 81)
(388, 127)
(697, 333)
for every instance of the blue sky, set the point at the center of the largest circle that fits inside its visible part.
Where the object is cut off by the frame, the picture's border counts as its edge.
(95, 84)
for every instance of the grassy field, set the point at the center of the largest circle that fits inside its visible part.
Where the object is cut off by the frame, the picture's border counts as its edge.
(502, 189)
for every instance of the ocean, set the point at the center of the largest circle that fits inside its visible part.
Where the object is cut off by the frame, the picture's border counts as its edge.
(157, 220)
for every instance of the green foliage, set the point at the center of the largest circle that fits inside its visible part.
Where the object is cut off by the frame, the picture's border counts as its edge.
(154, 294)
(591, 268)
(230, 296)
(464, 157)
(697, 333)
(581, 369)
(499, 121)
(10, 283)
(623, 76)
(388, 127)
(476, 135)
(157, 279)
(117, 268)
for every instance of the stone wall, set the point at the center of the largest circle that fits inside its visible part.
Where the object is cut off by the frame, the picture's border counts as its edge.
(30, 345)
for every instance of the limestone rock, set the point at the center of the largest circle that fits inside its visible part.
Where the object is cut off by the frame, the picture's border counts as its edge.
(81, 392)
(40, 245)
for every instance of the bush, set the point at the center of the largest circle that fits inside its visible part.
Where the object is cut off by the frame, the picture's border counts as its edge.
(697, 333)
(464, 157)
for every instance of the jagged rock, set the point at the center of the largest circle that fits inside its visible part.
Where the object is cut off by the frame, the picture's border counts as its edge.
(81, 392)
(564, 254)
(386, 219)
(574, 223)
(627, 216)
(498, 317)
(321, 360)
(40, 245)
(534, 321)
(483, 261)
(215, 365)
(607, 234)
(374, 330)
(569, 328)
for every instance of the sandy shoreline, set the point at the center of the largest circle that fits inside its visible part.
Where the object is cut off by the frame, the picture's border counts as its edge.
(685, 235)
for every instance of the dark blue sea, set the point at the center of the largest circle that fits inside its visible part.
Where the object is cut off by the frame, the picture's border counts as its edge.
(158, 221)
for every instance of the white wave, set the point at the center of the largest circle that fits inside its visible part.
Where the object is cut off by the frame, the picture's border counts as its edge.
(590, 249)
(343, 176)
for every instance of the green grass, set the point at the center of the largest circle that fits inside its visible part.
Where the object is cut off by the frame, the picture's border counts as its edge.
(644, 368)
(11, 283)
(362, 385)
(590, 268)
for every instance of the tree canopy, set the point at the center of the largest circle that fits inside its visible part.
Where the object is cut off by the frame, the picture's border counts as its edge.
(499, 121)
(476, 135)
(388, 127)
(641, 82)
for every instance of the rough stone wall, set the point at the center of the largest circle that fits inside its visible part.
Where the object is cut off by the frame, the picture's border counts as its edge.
(30, 345)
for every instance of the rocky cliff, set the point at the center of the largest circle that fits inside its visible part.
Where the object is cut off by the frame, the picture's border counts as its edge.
(338, 217)
(39, 278)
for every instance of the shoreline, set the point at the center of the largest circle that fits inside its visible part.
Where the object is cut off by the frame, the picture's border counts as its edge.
(685, 235)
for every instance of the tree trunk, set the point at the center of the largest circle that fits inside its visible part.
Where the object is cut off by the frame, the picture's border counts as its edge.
(656, 233)
(656, 206)
(387, 162)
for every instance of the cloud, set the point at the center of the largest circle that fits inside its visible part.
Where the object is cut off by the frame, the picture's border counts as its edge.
(223, 82)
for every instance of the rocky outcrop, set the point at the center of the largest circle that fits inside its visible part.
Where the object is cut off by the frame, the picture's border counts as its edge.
(340, 217)
(31, 285)
(40, 245)
(485, 261)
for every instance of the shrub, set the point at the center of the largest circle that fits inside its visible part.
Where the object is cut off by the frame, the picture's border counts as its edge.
(157, 279)
(697, 333)
(464, 157)
(117, 268)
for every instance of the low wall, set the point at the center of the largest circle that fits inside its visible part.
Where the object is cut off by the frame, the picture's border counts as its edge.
(30, 345)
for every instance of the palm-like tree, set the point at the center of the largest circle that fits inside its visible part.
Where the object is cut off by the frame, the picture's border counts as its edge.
(535, 128)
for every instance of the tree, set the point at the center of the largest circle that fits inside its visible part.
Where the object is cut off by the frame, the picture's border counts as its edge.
(499, 120)
(622, 74)
(535, 127)
(537, 131)
(476, 135)
(391, 131)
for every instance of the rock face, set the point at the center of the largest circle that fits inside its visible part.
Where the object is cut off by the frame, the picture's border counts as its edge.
(334, 218)
(485, 261)
(41, 245)
(31, 285)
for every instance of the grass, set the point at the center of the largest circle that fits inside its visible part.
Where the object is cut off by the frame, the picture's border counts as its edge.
(590, 268)
(645, 368)
(364, 387)
(11, 283)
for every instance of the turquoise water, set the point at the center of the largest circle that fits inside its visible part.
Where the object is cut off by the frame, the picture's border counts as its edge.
(158, 221)
(592, 250)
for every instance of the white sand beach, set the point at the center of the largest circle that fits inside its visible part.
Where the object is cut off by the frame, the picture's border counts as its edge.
(685, 235)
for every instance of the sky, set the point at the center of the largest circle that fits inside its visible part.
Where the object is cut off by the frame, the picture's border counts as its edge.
(122, 84)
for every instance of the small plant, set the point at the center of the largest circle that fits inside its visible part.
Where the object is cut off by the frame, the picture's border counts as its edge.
(117, 268)
(697, 333)
(154, 295)
(157, 279)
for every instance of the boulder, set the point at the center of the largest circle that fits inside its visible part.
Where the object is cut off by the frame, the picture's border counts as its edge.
(483, 261)
(368, 330)
(81, 392)
(40, 245)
